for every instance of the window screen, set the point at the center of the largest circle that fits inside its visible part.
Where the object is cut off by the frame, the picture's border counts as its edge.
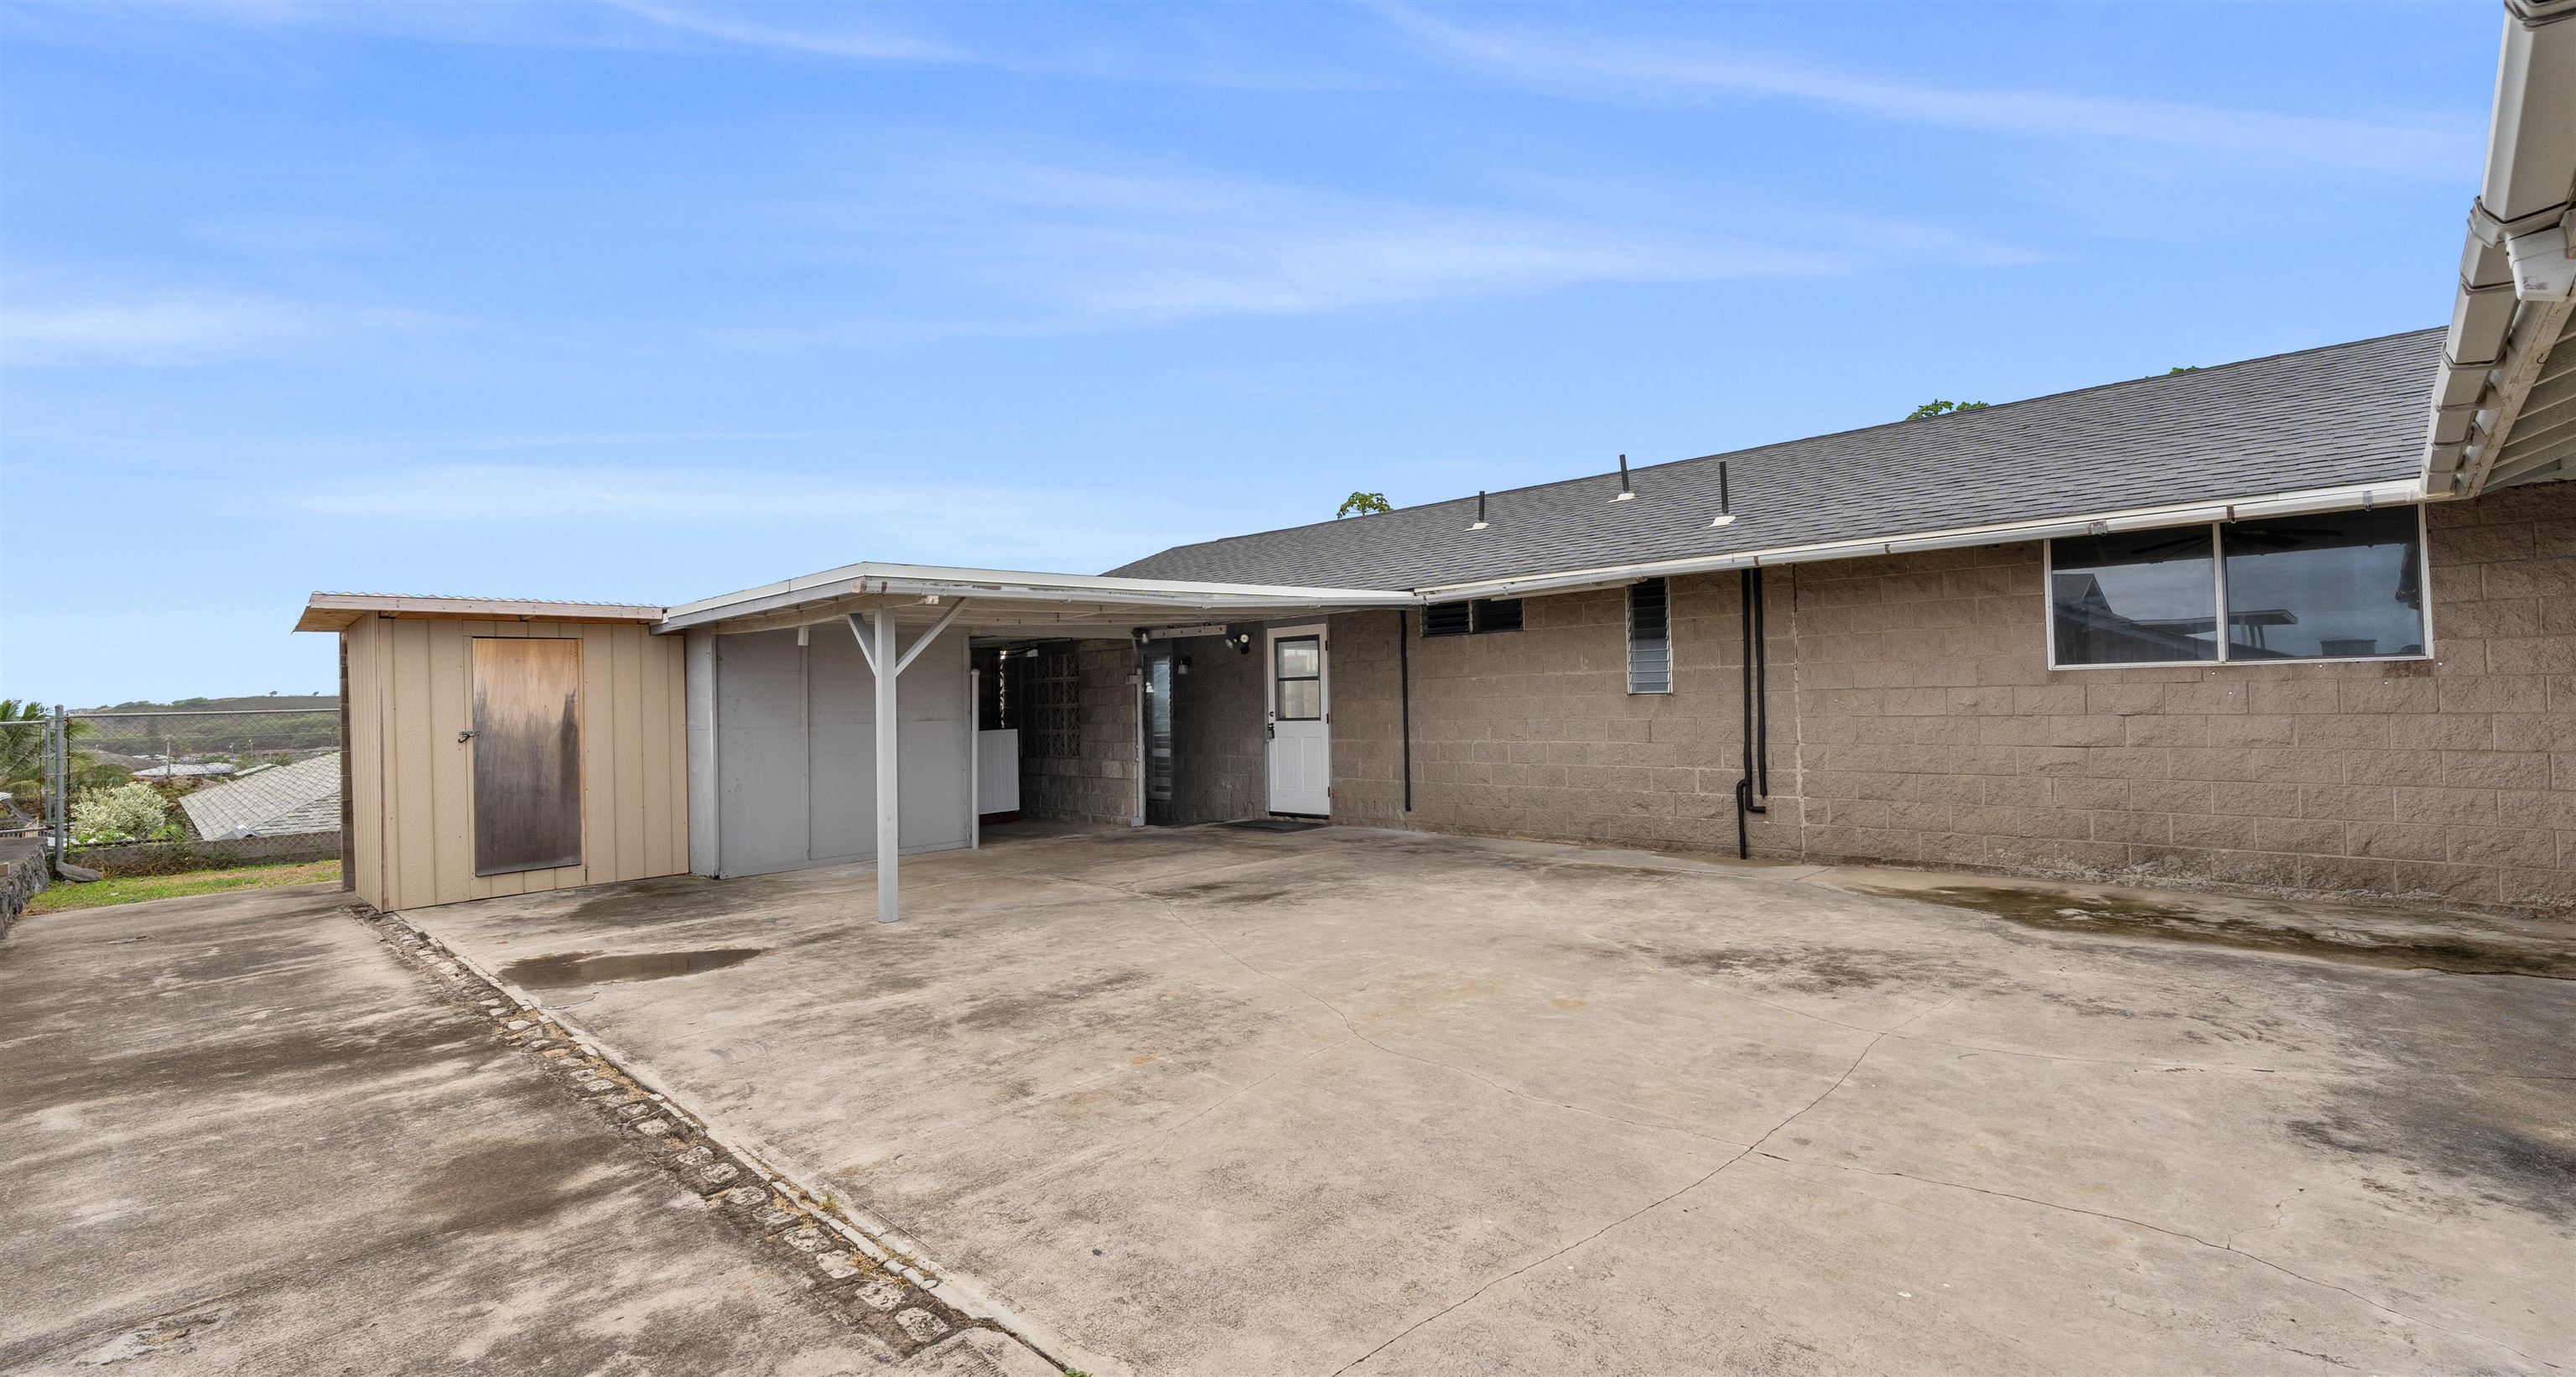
(1650, 641)
(2340, 586)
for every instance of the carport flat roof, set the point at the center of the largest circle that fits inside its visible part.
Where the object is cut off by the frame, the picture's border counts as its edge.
(1010, 599)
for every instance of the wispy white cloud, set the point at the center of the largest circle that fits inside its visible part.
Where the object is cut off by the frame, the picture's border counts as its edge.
(839, 38)
(1573, 63)
(885, 514)
(175, 327)
(1026, 247)
(1183, 55)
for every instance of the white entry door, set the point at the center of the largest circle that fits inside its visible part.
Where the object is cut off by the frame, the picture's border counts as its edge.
(1301, 722)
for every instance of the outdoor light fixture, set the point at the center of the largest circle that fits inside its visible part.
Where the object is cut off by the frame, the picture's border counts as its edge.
(1182, 666)
(1242, 642)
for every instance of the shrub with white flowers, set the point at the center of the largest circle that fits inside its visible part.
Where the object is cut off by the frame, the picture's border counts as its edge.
(129, 812)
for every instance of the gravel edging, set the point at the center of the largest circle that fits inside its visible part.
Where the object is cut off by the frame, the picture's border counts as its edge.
(871, 1279)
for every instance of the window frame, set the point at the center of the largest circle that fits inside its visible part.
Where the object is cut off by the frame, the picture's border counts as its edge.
(1472, 616)
(1466, 615)
(1278, 700)
(1665, 589)
(2218, 584)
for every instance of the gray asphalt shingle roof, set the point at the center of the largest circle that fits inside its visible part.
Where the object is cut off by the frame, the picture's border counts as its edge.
(2347, 413)
(288, 800)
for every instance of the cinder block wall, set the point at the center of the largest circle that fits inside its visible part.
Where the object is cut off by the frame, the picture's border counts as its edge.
(1098, 784)
(1934, 733)
(1533, 733)
(1368, 743)
(1914, 719)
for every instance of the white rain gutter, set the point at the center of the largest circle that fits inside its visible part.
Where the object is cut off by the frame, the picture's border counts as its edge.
(2517, 273)
(2362, 496)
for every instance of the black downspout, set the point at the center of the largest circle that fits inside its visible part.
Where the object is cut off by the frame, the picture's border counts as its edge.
(1761, 688)
(1404, 697)
(1757, 717)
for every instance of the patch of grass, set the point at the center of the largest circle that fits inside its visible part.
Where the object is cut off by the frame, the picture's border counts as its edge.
(134, 889)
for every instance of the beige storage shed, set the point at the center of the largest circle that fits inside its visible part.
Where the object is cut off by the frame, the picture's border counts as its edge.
(505, 747)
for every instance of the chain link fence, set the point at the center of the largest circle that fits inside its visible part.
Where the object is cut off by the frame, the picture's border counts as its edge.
(165, 791)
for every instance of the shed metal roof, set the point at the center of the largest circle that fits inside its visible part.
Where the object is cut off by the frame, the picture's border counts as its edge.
(2346, 415)
(336, 611)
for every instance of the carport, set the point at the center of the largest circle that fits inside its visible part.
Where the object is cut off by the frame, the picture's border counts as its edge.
(797, 684)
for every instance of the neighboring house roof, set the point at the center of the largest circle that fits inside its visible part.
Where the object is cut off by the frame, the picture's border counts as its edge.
(2341, 416)
(291, 799)
(185, 771)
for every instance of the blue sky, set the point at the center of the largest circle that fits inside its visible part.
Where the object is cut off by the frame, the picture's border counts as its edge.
(647, 302)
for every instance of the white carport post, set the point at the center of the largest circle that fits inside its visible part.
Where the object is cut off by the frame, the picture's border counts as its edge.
(888, 669)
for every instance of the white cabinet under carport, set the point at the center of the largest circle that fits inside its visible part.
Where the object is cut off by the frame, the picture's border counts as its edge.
(783, 727)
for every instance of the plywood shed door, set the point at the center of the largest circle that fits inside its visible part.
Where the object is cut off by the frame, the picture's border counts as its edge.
(527, 754)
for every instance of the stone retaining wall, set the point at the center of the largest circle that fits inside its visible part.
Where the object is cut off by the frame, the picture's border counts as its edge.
(171, 858)
(22, 876)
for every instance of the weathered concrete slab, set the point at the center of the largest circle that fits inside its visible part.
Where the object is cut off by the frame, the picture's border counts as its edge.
(1217, 1100)
(241, 1136)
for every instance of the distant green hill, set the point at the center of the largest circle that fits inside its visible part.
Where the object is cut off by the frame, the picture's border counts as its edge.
(238, 729)
(325, 702)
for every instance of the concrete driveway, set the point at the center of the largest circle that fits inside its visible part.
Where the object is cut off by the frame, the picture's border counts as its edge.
(240, 1135)
(1225, 1101)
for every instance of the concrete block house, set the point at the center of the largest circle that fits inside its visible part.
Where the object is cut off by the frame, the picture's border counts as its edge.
(2305, 622)
(2246, 651)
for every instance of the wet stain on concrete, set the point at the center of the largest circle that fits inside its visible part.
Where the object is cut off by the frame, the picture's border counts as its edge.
(671, 899)
(2528, 1166)
(294, 1050)
(1226, 893)
(501, 1185)
(2285, 930)
(1029, 1006)
(557, 970)
(1819, 970)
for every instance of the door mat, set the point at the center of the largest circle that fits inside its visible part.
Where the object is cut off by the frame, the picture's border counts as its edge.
(1275, 825)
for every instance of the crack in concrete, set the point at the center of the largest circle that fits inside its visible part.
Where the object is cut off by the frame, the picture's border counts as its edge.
(1335, 1010)
(948, 1131)
(1649, 1207)
(1972, 1047)
(2277, 1207)
(2184, 1235)
(1104, 1151)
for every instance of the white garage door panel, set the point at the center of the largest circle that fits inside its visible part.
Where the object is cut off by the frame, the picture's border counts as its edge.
(760, 730)
(797, 750)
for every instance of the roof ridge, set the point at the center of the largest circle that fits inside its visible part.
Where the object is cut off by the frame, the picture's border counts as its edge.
(2149, 380)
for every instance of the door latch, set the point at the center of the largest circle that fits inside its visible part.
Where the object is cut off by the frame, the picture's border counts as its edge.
(464, 736)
